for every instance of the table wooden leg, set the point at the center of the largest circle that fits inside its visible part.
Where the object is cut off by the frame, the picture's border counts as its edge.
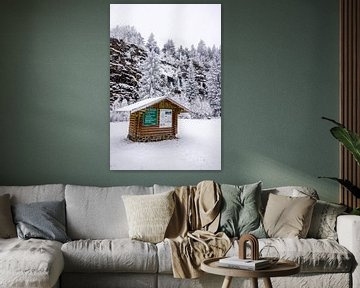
(227, 282)
(267, 283)
(254, 282)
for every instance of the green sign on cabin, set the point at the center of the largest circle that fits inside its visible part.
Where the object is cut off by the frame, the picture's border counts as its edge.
(150, 117)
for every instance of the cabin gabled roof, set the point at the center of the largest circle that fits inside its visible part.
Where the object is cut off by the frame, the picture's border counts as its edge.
(140, 105)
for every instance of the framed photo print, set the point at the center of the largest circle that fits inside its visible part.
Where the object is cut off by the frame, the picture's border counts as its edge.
(165, 87)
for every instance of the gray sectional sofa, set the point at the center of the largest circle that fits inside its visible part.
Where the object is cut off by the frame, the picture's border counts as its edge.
(100, 253)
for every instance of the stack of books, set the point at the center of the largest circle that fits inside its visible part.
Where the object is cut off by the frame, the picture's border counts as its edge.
(248, 264)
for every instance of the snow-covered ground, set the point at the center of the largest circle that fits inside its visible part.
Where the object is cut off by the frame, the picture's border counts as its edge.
(198, 147)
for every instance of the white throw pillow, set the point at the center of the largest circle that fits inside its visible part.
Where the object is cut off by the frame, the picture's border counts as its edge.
(149, 215)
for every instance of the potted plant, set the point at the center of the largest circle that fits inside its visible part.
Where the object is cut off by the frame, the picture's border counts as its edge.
(351, 141)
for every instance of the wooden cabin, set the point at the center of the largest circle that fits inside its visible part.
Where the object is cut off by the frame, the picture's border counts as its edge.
(153, 119)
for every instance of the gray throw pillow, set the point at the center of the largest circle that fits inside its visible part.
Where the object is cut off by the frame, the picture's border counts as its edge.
(7, 226)
(323, 222)
(44, 220)
(240, 213)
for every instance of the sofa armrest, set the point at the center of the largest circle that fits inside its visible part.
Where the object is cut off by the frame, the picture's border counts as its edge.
(348, 230)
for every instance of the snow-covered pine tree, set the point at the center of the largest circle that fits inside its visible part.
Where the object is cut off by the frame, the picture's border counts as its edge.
(167, 91)
(116, 33)
(169, 52)
(183, 56)
(124, 116)
(182, 99)
(169, 48)
(150, 81)
(128, 34)
(152, 45)
(192, 90)
(180, 53)
(210, 53)
(187, 52)
(192, 52)
(201, 108)
(214, 85)
(115, 105)
(117, 116)
(182, 64)
(202, 53)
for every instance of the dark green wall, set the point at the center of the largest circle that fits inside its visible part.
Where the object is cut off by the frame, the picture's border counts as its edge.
(280, 75)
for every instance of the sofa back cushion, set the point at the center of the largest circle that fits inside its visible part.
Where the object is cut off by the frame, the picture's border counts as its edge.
(163, 188)
(36, 193)
(98, 212)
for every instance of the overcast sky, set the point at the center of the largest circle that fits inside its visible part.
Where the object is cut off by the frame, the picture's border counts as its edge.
(185, 24)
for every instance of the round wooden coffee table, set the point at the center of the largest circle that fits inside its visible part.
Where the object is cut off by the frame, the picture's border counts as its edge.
(281, 268)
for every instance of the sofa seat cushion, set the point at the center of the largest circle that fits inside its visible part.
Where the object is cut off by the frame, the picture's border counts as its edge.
(164, 257)
(313, 255)
(30, 263)
(115, 255)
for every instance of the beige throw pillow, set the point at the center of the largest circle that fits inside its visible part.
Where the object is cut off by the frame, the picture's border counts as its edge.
(149, 215)
(7, 226)
(288, 217)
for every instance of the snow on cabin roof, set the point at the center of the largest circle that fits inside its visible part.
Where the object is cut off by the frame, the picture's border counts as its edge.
(148, 102)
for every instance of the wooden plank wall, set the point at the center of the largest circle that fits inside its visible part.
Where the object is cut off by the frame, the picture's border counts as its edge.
(349, 90)
(133, 124)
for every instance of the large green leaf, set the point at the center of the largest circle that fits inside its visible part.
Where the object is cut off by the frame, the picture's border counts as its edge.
(348, 138)
(347, 184)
